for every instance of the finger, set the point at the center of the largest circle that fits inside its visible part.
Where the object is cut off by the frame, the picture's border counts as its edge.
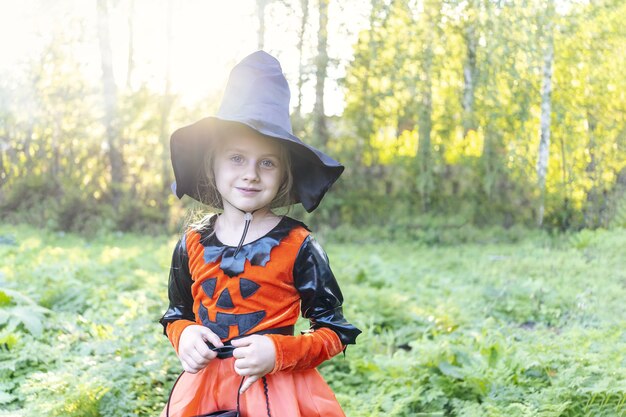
(209, 336)
(188, 367)
(247, 383)
(204, 350)
(241, 352)
(195, 358)
(205, 356)
(244, 341)
(242, 364)
(244, 371)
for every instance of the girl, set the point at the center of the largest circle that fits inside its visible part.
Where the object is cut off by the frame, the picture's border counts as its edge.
(239, 279)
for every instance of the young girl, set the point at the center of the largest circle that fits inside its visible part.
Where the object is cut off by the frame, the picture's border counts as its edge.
(239, 279)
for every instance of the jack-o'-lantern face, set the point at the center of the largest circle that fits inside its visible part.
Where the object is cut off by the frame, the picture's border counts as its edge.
(233, 290)
(236, 295)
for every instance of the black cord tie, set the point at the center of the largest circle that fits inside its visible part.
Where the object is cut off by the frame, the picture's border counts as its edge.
(248, 218)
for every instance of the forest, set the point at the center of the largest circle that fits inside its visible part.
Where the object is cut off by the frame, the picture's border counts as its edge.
(480, 113)
(477, 232)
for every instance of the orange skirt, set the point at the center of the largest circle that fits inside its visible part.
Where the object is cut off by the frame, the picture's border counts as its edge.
(291, 394)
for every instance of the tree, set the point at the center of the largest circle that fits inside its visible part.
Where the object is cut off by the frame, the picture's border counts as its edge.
(320, 130)
(260, 12)
(297, 114)
(546, 112)
(429, 20)
(111, 120)
(166, 107)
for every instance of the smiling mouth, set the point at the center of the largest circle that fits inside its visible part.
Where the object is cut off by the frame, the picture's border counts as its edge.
(248, 190)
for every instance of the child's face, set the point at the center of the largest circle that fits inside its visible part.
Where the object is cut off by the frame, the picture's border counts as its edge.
(247, 169)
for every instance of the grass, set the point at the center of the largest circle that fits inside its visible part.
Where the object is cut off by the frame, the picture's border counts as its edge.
(530, 327)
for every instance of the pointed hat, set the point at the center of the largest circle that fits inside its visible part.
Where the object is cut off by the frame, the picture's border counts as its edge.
(256, 95)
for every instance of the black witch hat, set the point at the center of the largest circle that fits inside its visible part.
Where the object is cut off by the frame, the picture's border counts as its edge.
(257, 95)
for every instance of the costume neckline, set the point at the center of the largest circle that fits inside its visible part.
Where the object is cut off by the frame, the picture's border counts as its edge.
(220, 243)
(257, 251)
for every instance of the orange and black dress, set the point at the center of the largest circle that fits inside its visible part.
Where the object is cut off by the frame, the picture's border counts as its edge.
(264, 287)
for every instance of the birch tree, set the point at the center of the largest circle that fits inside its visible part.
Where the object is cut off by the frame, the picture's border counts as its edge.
(111, 120)
(320, 130)
(470, 70)
(428, 21)
(131, 44)
(304, 7)
(546, 111)
(166, 106)
(260, 12)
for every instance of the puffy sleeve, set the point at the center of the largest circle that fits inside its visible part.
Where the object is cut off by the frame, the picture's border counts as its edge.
(179, 314)
(321, 298)
(321, 303)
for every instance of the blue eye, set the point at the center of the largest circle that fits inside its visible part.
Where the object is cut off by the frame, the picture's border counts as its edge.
(266, 163)
(236, 159)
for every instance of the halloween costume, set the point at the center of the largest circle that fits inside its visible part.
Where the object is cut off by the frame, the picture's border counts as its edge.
(261, 286)
(282, 274)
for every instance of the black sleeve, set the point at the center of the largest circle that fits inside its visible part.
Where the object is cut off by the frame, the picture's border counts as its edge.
(179, 287)
(320, 295)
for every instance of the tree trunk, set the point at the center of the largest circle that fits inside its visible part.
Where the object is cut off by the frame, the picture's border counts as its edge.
(320, 130)
(565, 208)
(166, 107)
(364, 124)
(53, 170)
(111, 121)
(469, 78)
(424, 154)
(28, 138)
(424, 151)
(546, 112)
(298, 125)
(260, 10)
(131, 44)
(591, 212)
(4, 174)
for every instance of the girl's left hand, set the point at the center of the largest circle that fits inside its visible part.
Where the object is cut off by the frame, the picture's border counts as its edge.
(256, 356)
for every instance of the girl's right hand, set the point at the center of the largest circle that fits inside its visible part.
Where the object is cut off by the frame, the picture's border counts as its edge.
(193, 352)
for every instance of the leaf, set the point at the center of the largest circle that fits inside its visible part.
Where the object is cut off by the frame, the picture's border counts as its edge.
(5, 299)
(6, 398)
(7, 341)
(16, 295)
(493, 356)
(8, 365)
(31, 322)
(4, 317)
(451, 370)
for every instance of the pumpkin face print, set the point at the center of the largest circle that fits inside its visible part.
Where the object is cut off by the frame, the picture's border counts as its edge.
(238, 289)
(239, 295)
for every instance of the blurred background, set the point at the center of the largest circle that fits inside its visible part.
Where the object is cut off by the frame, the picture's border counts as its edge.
(478, 231)
(446, 113)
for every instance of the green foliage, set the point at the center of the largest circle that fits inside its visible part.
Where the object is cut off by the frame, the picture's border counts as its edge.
(73, 353)
(495, 329)
(56, 172)
(20, 312)
(508, 323)
(442, 105)
(483, 156)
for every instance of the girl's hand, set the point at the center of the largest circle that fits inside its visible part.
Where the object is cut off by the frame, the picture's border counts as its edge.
(256, 356)
(193, 352)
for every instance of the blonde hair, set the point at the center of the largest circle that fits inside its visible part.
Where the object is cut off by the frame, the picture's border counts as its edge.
(211, 197)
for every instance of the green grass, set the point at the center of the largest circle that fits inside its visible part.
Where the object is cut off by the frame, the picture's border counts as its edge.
(534, 326)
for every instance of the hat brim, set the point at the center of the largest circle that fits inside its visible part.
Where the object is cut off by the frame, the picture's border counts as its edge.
(313, 171)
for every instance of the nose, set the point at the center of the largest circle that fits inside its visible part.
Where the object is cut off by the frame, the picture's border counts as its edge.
(250, 172)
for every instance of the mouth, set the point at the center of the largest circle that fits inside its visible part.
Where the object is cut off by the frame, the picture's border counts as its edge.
(245, 190)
